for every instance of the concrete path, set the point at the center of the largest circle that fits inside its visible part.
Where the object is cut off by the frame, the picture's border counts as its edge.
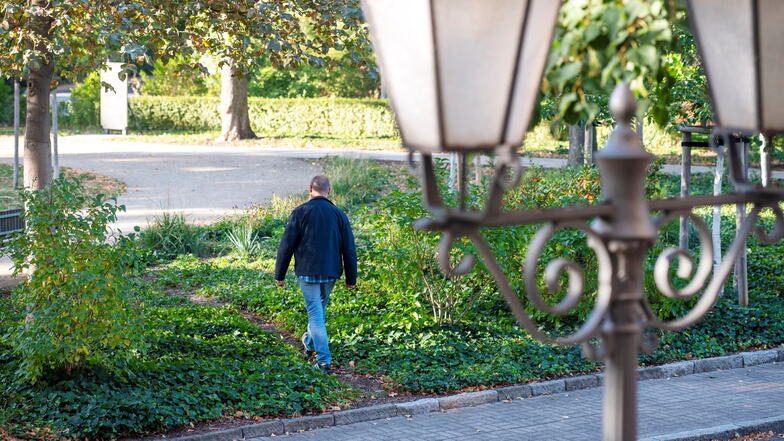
(676, 408)
(208, 182)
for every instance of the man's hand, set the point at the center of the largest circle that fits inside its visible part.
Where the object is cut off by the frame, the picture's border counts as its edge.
(351, 286)
(280, 283)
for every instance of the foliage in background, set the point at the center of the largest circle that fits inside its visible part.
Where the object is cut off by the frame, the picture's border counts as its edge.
(169, 235)
(75, 305)
(84, 108)
(599, 43)
(271, 117)
(244, 241)
(177, 77)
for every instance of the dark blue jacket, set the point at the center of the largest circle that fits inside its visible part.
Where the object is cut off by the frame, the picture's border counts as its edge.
(319, 237)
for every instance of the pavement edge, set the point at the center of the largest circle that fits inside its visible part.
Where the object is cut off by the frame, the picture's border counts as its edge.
(470, 399)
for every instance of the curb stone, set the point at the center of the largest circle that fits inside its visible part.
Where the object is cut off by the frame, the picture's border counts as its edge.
(417, 407)
(266, 428)
(718, 363)
(725, 432)
(548, 387)
(365, 414)
(760, 357)
(468, 399)
(309, 422)
(581, 382)
(427, 405)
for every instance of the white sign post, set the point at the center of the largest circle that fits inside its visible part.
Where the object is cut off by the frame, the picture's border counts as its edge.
(114, 103)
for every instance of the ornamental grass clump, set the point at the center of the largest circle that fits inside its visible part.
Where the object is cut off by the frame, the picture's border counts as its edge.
(75, 306)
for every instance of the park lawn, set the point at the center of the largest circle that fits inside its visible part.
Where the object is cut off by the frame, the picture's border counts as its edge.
(196, 363)
(94, 184)
(387, 326)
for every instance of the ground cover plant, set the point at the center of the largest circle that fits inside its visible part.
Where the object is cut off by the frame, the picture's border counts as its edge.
(420, 332)
(90, 349)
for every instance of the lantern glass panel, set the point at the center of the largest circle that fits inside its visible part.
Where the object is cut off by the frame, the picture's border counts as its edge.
(771, 41)
(539, 30)
(725, 38)
(477, 44)
(403, 38)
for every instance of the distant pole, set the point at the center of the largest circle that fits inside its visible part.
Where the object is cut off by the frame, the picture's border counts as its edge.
(765, 160)
(55, 154)
(717, 178)
(683, 236)
(16, 133)
(741, 265)
(478, 169)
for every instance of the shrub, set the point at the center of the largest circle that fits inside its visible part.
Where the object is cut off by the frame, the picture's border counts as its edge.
(75, 301)
(176, 78)
(170, 235)
(84, 108)
(319, 117)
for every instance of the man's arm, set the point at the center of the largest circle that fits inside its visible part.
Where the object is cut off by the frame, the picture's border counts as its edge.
(288, 243)
(349, 253)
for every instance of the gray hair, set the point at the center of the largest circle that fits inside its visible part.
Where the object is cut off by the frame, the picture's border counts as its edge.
(320, 183)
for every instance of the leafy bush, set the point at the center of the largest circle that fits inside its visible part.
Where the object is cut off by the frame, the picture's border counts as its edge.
(84, 108)
(319, 117)
(75, 305)
(177, 77)
(170, 235)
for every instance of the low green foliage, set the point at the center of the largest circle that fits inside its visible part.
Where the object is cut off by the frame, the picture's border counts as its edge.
(170, 235)
(198, 363)
(84, 108)
(317, 117)
(422, 332)
(244, 241)
(75, 305)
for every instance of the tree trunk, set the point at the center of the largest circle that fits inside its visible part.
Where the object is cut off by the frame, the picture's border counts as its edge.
(576, 145)
(590, 144)
(37, 154)
(235, 121)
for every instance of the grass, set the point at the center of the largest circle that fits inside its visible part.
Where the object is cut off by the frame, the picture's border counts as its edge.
(94, 184)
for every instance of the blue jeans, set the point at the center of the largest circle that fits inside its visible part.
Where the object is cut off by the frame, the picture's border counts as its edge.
(316, 297)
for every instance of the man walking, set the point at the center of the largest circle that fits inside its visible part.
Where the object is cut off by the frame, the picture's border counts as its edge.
(319, 236)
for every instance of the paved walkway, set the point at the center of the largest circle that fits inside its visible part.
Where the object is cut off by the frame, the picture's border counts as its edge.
(667, 407)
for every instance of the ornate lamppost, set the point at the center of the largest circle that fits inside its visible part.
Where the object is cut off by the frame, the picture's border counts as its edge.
(462, 76)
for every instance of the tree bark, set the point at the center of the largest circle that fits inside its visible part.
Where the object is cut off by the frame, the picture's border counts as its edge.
(235, 121)
(576, 145)
(37, 154)
(590, 144)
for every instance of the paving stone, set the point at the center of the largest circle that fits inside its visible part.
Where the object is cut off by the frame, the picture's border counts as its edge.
(309, 422)
(581, 382)
(365, 414)
(718, 363)
(418, 407)
(514, 392)
(266, 428)
(650, 373)
(218, 435)
(468, 399)
(675, 408)
(760, 357)
(677, 369)
(548, 387)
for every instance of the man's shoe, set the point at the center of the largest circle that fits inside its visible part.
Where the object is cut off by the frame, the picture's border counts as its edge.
(308, 352)
(323, 367)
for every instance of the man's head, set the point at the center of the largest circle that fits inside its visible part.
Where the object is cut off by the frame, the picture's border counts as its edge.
(319, 186)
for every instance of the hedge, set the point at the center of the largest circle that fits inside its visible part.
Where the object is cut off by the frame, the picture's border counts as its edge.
(305, 117)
